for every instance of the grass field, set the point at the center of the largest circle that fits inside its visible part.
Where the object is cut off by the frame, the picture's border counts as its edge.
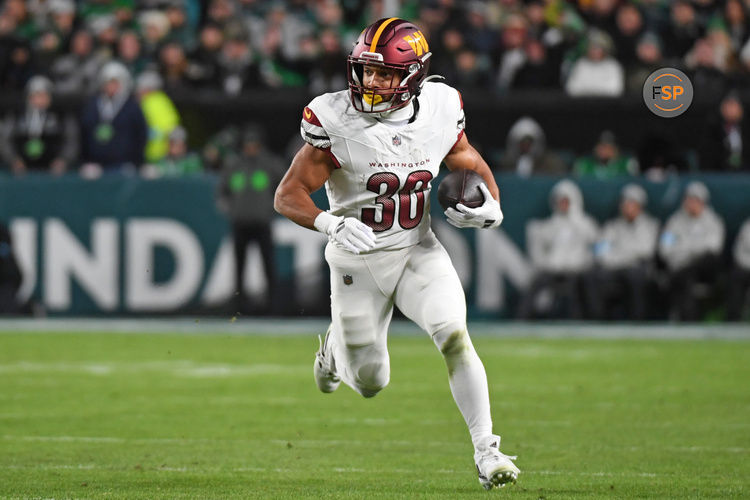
(139, 416)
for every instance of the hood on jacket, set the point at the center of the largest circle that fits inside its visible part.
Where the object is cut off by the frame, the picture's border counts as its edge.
(566, 189)
(525, 127)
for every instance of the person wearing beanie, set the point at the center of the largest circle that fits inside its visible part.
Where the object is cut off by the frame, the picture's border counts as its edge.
(624, 257)
(690, 246)
(38, 138)
(113, 128)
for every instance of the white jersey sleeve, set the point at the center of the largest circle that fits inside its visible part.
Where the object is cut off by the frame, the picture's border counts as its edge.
(312, 130)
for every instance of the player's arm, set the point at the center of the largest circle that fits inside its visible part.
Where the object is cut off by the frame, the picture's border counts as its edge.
(489, 214)
(310, 169)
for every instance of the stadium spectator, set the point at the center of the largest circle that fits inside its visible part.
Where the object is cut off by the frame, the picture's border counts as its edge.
(526, 151)
(129, 52)
(204, 60)
(450, 43)
(683, 30)
(600, 14)
(113, 129)
(739, 285)
(20, 66)
(221, 12)
(560, 249)
(597, 73)
(737, 23)
(160, 114)
(538, 71)
(246, 189)
(180, 30)
(238, 67)
(704, 71)
(606, 161)
(154, 30)
(39, 138)
(648, 59)
(479, 34)
(514, 37)
(179, 161)
(174, 67)
(326, 71)
(624, 257)
(219, 146)
(62, 14)
(106, 32)
(725, 142)
(77, 71)
(629, 29)
(690, 245)
(22, 20)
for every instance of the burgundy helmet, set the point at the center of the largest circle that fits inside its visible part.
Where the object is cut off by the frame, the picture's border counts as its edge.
(390, 43)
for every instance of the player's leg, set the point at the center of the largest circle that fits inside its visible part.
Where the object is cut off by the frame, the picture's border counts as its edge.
(430, 293)
(360, 314)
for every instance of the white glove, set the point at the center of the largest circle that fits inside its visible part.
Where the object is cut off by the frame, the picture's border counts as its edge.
(349, 232)
(487, 215)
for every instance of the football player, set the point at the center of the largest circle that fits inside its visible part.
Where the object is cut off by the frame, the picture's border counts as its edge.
(376, 148)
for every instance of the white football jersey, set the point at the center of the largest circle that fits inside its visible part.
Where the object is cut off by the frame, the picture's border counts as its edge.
(385, 170)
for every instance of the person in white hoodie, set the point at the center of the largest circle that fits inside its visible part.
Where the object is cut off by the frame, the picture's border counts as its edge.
(597, 73)
(739, 285)
(624, 257)
(690, 246)
(560, 248)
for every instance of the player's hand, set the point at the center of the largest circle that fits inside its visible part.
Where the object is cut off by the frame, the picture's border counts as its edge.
(487, 215)
(349, 232)
(354, 235)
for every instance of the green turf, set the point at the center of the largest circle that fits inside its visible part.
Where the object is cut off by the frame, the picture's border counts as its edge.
(139, 416)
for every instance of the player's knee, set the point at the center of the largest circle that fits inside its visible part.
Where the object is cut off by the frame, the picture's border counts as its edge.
(372, 378)
(452, 340)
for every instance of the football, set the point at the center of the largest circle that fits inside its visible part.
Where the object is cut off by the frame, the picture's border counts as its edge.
(460, 186)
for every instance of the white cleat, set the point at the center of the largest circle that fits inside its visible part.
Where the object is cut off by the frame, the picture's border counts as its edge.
(324, 367)
(495, 469)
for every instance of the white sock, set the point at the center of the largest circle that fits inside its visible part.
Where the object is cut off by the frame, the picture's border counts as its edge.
(468, 382)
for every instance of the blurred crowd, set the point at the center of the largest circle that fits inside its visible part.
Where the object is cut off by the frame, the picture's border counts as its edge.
(632, 267)
(130, 56)
(586, 47)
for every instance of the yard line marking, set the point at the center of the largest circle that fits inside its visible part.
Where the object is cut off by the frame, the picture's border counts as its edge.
(305, 327)
(335, 442)
(179, 368)
(591, 474)
(340, 470)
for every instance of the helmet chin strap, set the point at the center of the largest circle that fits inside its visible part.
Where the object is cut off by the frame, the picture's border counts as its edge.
(404, 113)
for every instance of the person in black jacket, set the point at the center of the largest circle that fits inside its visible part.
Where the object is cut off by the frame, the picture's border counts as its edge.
(38, 138)
(725, 143)
(113, 129)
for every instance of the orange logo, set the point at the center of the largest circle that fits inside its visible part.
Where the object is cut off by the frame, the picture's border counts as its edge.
(667, 92)
(308, 113)
(417, 43)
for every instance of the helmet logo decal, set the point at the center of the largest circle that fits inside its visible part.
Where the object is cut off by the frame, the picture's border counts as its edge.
(417, 42)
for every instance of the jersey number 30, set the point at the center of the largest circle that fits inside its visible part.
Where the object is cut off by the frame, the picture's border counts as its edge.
(412, 191)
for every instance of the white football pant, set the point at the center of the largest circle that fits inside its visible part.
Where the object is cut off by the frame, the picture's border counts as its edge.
(422, 282)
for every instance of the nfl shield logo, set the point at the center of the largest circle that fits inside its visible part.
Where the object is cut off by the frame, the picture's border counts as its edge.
(348, 280)
(396, 140)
